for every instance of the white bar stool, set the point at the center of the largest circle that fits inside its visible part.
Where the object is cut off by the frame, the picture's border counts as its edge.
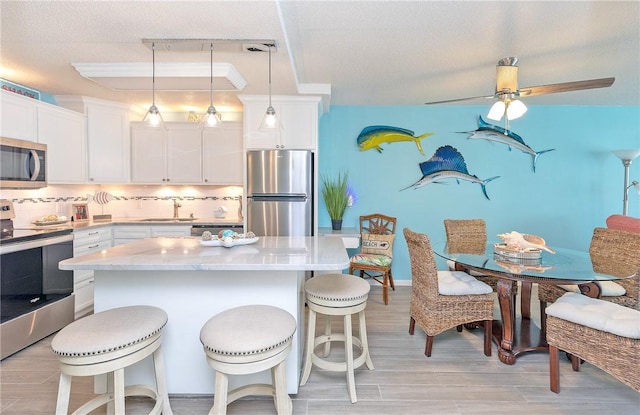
(107, 343)
(337, 295)
(245, 340)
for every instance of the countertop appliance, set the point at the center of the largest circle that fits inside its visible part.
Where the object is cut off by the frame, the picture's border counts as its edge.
(23, 164)
(280, 192)
(36, 298)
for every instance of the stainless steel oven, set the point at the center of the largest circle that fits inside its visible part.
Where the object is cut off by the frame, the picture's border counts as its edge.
(36, 297)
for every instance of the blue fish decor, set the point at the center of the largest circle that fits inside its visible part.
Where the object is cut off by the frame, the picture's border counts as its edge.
(447, 163)
(374, 135)
(498, 134)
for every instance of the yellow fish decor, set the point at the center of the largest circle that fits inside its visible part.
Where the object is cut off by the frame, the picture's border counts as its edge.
(374, 135)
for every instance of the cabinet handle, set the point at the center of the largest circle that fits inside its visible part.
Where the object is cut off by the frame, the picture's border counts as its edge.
(90, 179)
(93, 246)
(93, 233)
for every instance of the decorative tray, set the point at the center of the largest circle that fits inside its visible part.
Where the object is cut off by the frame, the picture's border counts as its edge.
(52, 222)
(234, 242)
(514, 253)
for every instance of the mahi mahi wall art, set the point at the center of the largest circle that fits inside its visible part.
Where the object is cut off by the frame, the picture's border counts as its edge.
(374, 135)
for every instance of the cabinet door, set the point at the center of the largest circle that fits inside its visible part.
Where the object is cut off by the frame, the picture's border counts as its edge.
(184, 153)
(148, 155)
(18, 117)
(300, 122)
(253, 112)
(109, 144)
(64, 133)
(222, 154)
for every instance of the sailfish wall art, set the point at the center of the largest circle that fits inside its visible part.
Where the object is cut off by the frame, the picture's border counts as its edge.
(374, 135)
(494, 133)
(445, 164)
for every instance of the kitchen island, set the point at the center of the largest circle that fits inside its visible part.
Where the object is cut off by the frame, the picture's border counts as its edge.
(192, 283)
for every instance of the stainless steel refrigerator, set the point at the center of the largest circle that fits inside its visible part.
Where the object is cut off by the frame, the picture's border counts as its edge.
(280, 192)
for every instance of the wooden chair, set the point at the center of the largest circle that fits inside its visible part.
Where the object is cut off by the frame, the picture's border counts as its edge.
(435, 304)
(377, 232)
(612, 252)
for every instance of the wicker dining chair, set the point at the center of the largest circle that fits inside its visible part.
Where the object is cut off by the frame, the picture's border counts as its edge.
(469, 236)
(613, 252)
(470, 301)
(377, 232)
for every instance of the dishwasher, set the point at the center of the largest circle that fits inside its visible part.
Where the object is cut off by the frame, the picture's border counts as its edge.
(197, 230)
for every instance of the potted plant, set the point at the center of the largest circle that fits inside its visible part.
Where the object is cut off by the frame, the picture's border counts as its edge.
(336, 198)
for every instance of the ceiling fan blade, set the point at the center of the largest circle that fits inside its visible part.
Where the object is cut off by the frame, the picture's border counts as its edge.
(531, 91)
(460, 99)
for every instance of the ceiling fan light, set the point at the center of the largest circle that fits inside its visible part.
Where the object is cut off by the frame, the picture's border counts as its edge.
(497, 111)
(516, 109)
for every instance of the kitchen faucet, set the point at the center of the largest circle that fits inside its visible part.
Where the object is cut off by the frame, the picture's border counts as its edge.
(176, 206)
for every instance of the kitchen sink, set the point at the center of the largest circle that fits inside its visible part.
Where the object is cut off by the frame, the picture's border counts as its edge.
(168, 220)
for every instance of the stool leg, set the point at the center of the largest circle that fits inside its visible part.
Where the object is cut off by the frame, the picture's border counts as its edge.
(64, 392)
(363, 339)
(118, 390)
(327, 332)
(220, 395)
(282, 399)
(348, 352)
(311, 330)
(161, 383)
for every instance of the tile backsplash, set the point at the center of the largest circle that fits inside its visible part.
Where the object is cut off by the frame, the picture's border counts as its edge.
(129, 201)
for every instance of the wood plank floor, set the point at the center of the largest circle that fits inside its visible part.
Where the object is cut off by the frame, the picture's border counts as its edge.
(457, 379)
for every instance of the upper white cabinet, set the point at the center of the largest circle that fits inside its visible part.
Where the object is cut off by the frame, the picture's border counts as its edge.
(222, 154)
(172, 155)
(19, 117)
(63, 131)
(108, 138)
(298, 116)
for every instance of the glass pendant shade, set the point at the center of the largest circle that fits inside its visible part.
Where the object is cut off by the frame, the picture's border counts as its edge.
(497, 111)
(516, 109)
(153, 118)
(270, 120)
(211, 119)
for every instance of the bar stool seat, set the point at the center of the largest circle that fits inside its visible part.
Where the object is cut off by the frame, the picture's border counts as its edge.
(337, 295)
(106, 343)
(245, 340)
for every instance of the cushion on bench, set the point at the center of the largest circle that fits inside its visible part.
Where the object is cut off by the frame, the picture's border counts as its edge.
(597, 314)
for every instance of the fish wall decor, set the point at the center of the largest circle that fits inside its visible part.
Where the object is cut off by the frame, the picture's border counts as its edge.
(496, 134)
(447, 163)
(374, 135)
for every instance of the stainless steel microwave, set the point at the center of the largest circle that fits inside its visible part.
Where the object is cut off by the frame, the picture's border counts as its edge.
(23, 164)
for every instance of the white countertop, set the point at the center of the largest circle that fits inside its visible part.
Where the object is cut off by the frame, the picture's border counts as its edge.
(185, 253)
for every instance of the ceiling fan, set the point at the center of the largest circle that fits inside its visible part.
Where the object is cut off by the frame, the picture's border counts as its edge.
(507, 90)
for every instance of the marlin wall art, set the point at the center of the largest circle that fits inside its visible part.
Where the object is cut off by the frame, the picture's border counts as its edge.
(498, 134)
(447, 163)
(374, 135)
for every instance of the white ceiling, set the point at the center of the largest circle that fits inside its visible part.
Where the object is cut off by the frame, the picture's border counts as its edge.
(354, 52)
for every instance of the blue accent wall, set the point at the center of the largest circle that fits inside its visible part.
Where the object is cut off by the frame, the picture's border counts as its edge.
(573, 190)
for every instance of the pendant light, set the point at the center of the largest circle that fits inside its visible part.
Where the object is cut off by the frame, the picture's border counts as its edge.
(270, 120)
(211, 119)
(153, 118)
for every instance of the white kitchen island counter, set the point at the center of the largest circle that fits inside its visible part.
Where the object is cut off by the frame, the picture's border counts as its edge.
(192, 283)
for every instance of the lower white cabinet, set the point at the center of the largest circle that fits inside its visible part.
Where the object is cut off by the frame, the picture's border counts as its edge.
(123, 234)
(87, 242)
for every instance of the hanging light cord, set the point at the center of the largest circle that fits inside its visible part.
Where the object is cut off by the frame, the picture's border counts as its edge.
(153, 73)
(211, 74)
(269, 75)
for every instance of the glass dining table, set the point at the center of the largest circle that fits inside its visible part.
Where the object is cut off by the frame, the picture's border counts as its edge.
(517, 335)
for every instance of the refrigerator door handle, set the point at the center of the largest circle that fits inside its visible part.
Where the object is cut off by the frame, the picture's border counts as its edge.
(279, 198)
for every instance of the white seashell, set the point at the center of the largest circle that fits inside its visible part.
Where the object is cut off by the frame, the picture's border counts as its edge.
(518, 240)
(227, 241)
(207, 236)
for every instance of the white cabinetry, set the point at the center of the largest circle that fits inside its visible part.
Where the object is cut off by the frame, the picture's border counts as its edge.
(123, 234)
(298, 116)
(222, 154)
(108, 137)
(63, 131)
(19, 117)
(87, 242)
(172, 155)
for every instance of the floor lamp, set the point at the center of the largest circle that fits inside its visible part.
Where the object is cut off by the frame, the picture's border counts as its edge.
(627, 156)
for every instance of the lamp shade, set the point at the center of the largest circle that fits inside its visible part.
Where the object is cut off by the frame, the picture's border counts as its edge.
(516, 109)
(497, 111)
(627, 154)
